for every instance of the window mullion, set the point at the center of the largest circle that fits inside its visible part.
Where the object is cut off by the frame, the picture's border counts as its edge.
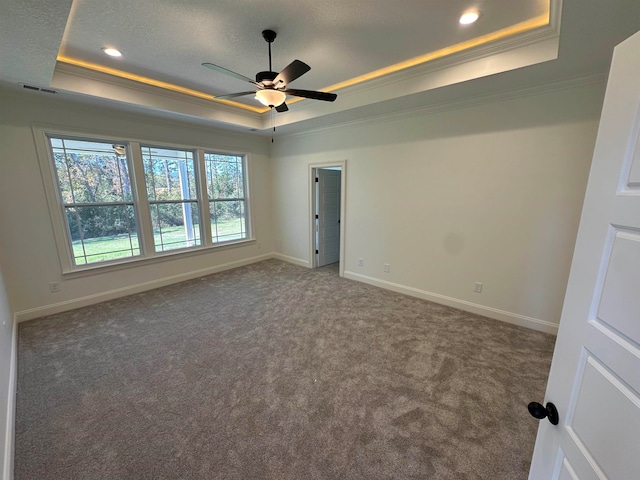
(145, 226)
(205, 214)
(246, 177)
(83, 182)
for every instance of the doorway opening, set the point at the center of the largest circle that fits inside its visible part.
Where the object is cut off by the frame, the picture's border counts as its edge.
(327, 216)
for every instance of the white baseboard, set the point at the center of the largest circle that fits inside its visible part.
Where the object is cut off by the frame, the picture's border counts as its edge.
(54, 308)
(509, 317)
(294, 260)
(7, 474)
(9, 441)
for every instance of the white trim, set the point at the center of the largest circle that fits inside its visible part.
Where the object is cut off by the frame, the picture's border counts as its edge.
(496, 314)
(164, 256)
(54, 308)
(7, 473)
(141, 203)
(71, 80)
(343, 210)
(93, 75)
(124, 136)
(537, 38)
(456, 104)
(295, 261)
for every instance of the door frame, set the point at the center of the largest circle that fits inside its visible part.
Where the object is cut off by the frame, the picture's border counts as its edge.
(312, 209)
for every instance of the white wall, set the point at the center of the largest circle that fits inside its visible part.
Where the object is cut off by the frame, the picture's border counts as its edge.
(27, 248)
(6, 382)
(490, 193)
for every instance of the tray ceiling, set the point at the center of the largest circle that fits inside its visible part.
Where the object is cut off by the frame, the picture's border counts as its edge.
(367, 52)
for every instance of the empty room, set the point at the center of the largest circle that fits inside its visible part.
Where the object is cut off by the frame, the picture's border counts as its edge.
(417, 261)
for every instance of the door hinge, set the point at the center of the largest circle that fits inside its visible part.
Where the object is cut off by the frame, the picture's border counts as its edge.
(316, 216)
(338, 222)
(317, 252)
(317, 179)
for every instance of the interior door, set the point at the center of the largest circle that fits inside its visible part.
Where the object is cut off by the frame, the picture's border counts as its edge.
(328, 212)
(595, 373)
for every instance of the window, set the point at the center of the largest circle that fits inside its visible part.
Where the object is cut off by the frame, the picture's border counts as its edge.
(95, 189)
(113, 201)
(173, 198)
(225, 188)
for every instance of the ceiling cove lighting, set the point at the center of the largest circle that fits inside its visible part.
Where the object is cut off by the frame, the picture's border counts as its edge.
(270, 97)
(468, 18)
(155, 83)
(112, 52)
(522, 27)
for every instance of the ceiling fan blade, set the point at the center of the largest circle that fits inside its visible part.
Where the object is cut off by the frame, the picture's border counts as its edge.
(292, 71)
(282, 108)
(229, 72)
(327, 97)
(234, 95)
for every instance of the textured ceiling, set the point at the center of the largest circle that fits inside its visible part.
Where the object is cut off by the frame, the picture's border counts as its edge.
(340, 39)
(30, 36)
(43, 43)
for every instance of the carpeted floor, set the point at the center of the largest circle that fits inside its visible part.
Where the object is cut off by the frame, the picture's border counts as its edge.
(274, 371)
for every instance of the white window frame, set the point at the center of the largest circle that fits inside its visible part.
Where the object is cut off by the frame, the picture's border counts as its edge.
(141, 204)
(197, 200)
(220, 200)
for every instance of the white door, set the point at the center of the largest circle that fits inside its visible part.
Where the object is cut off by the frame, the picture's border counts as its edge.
(328, 212)
(595, 373)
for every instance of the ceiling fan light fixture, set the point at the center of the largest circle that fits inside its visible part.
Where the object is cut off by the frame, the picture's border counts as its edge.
(270, 97)
(273, 87)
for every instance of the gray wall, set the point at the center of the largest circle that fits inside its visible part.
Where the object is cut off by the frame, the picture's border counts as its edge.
(491, 193)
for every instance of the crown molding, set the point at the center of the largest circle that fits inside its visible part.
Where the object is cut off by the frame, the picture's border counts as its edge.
(78, 80)
(532, 45)
(479, 53)
(439, 107)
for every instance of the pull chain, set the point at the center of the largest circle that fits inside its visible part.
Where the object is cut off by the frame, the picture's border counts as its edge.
(273, 122)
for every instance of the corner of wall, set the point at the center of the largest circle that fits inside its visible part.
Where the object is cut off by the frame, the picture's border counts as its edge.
(9, 444)
(295, 261)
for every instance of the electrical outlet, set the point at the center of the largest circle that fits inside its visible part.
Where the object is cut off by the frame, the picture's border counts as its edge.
(386, 268)
(54, 287)
(361, 262)
(477, 287)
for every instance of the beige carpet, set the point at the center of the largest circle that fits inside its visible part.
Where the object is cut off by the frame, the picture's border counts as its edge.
(274, 371)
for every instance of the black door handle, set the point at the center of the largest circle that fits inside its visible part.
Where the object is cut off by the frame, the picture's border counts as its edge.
(540, 412)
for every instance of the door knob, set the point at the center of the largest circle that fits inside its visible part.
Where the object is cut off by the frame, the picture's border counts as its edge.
(540, 412)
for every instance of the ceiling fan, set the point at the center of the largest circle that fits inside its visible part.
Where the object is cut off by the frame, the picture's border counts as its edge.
(271, 86)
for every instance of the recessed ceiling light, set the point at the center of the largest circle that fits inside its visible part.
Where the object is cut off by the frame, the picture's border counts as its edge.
(112, 52)
(469, 17)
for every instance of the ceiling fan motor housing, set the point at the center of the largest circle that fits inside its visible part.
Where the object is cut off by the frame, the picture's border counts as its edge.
(269, 35)
(266, 78)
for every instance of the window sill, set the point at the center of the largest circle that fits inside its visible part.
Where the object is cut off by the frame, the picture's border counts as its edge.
(128, 263)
